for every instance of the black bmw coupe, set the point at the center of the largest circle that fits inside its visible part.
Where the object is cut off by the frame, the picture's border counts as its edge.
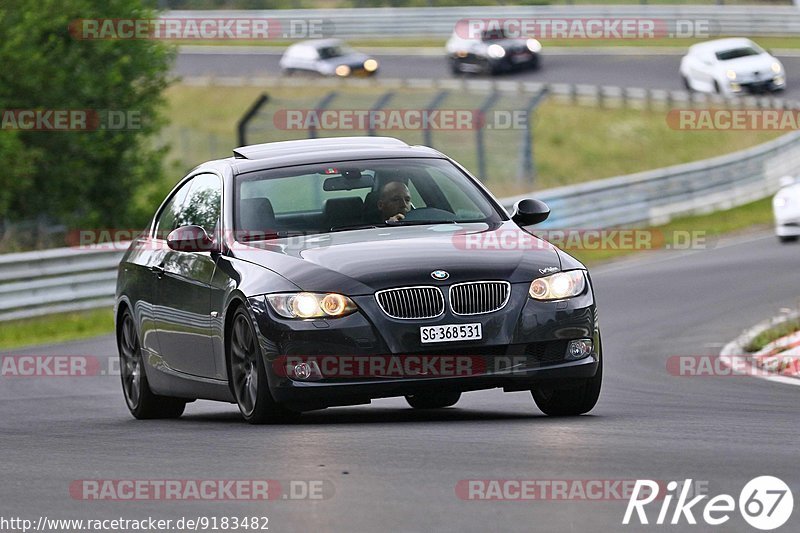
(306, 274)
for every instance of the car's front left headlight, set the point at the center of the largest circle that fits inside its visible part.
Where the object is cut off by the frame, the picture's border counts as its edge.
(371, 65)
(533, 45)
(776, 67)
(311, 305)
(731, 74)
(558, 286)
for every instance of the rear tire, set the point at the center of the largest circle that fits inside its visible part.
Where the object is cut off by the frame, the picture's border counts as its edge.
(433, 400)
(570, 401)
(141, 401)
(248, 375)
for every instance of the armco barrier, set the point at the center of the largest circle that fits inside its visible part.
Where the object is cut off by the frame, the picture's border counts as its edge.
(438, 22)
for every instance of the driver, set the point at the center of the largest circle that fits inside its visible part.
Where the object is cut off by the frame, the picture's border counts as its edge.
(394, 201)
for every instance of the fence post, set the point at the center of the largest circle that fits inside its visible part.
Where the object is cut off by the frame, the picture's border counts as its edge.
(481, 120)
(241, 127)
(434, 103)
(323, 103)
(377, 106)
(527, 171)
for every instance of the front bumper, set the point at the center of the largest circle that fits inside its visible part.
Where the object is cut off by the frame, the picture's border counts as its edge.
(523, 344)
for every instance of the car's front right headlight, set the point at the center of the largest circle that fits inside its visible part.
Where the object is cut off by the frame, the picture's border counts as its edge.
(731, 74)
(558, 286)
(496, 51)
(311, 305)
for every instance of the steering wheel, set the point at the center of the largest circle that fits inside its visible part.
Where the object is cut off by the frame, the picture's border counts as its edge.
(429, 213)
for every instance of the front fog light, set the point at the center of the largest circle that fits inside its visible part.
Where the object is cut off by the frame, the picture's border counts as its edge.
(579, 348)
(306, 371)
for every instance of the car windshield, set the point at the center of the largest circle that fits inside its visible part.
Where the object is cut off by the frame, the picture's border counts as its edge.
(493, 35)
(736, 53)
(329, 52)
(350, 195)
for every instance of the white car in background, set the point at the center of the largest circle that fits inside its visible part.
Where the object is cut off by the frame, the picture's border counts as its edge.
(786, 206)
(327, 57)
(731, 66)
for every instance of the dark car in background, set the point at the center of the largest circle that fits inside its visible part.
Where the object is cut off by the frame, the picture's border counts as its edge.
(300, 275)
(490, 51)
(327, 57)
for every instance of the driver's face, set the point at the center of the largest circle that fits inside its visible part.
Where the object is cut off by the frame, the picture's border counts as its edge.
(395, 199)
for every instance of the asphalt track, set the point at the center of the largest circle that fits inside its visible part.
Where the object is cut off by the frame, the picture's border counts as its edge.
(394, 469)
(659, 71)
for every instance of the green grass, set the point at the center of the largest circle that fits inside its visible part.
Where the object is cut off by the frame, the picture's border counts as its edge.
(56, 328)
(702, 230)
(772, 334)
(572, 144)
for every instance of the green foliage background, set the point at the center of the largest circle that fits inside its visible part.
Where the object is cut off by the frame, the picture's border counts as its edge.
(81, 178)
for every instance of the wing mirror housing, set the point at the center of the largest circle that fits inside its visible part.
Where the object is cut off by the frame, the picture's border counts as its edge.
(190, 239)
(528, 212)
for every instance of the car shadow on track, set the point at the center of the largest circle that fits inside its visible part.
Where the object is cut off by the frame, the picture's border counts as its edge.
(388, 415)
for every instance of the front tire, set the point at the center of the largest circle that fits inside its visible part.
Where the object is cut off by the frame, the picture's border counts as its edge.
(570, 401)
(142, 403)
(433, 400)
(248, 375)
(783, 239)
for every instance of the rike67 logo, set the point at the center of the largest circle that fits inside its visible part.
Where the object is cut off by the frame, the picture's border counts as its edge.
(765, 502)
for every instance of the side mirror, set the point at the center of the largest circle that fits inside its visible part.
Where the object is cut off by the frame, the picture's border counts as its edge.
(528, 212)
(190, 239)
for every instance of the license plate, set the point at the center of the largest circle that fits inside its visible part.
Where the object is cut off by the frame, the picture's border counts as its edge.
(450, 333)
(519, 58)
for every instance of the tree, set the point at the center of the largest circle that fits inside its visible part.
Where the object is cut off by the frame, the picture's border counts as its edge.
(80, 178)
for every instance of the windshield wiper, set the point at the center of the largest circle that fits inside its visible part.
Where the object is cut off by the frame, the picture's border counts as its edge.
(355, 226)
(418, 222)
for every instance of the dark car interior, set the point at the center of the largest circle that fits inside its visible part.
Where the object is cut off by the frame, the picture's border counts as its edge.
(357, 205)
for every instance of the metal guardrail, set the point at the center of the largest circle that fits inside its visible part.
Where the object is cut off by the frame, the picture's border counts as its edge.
(439, 21)
(69, 279)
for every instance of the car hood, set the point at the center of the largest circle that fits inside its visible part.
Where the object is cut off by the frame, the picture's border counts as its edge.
(363, 261)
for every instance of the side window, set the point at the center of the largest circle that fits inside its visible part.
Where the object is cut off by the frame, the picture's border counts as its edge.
(202, 205)
(167, 218)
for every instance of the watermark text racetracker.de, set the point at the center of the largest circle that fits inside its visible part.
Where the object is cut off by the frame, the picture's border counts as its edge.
(200, 489)
(58, 366)
(201, 28)
(70, 120)
(585, 28)
(400, 119)
(734, 119)
(150, 523)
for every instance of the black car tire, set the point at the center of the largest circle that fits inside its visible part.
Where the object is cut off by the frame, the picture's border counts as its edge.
(248, 375)
(686, 84)
(787, 238)
(433, 400)
(141, 401)
(571, 401)
(455, 67)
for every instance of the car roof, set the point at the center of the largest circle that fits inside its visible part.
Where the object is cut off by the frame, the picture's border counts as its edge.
(310, 151)
(320, 43)
(721, 44)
